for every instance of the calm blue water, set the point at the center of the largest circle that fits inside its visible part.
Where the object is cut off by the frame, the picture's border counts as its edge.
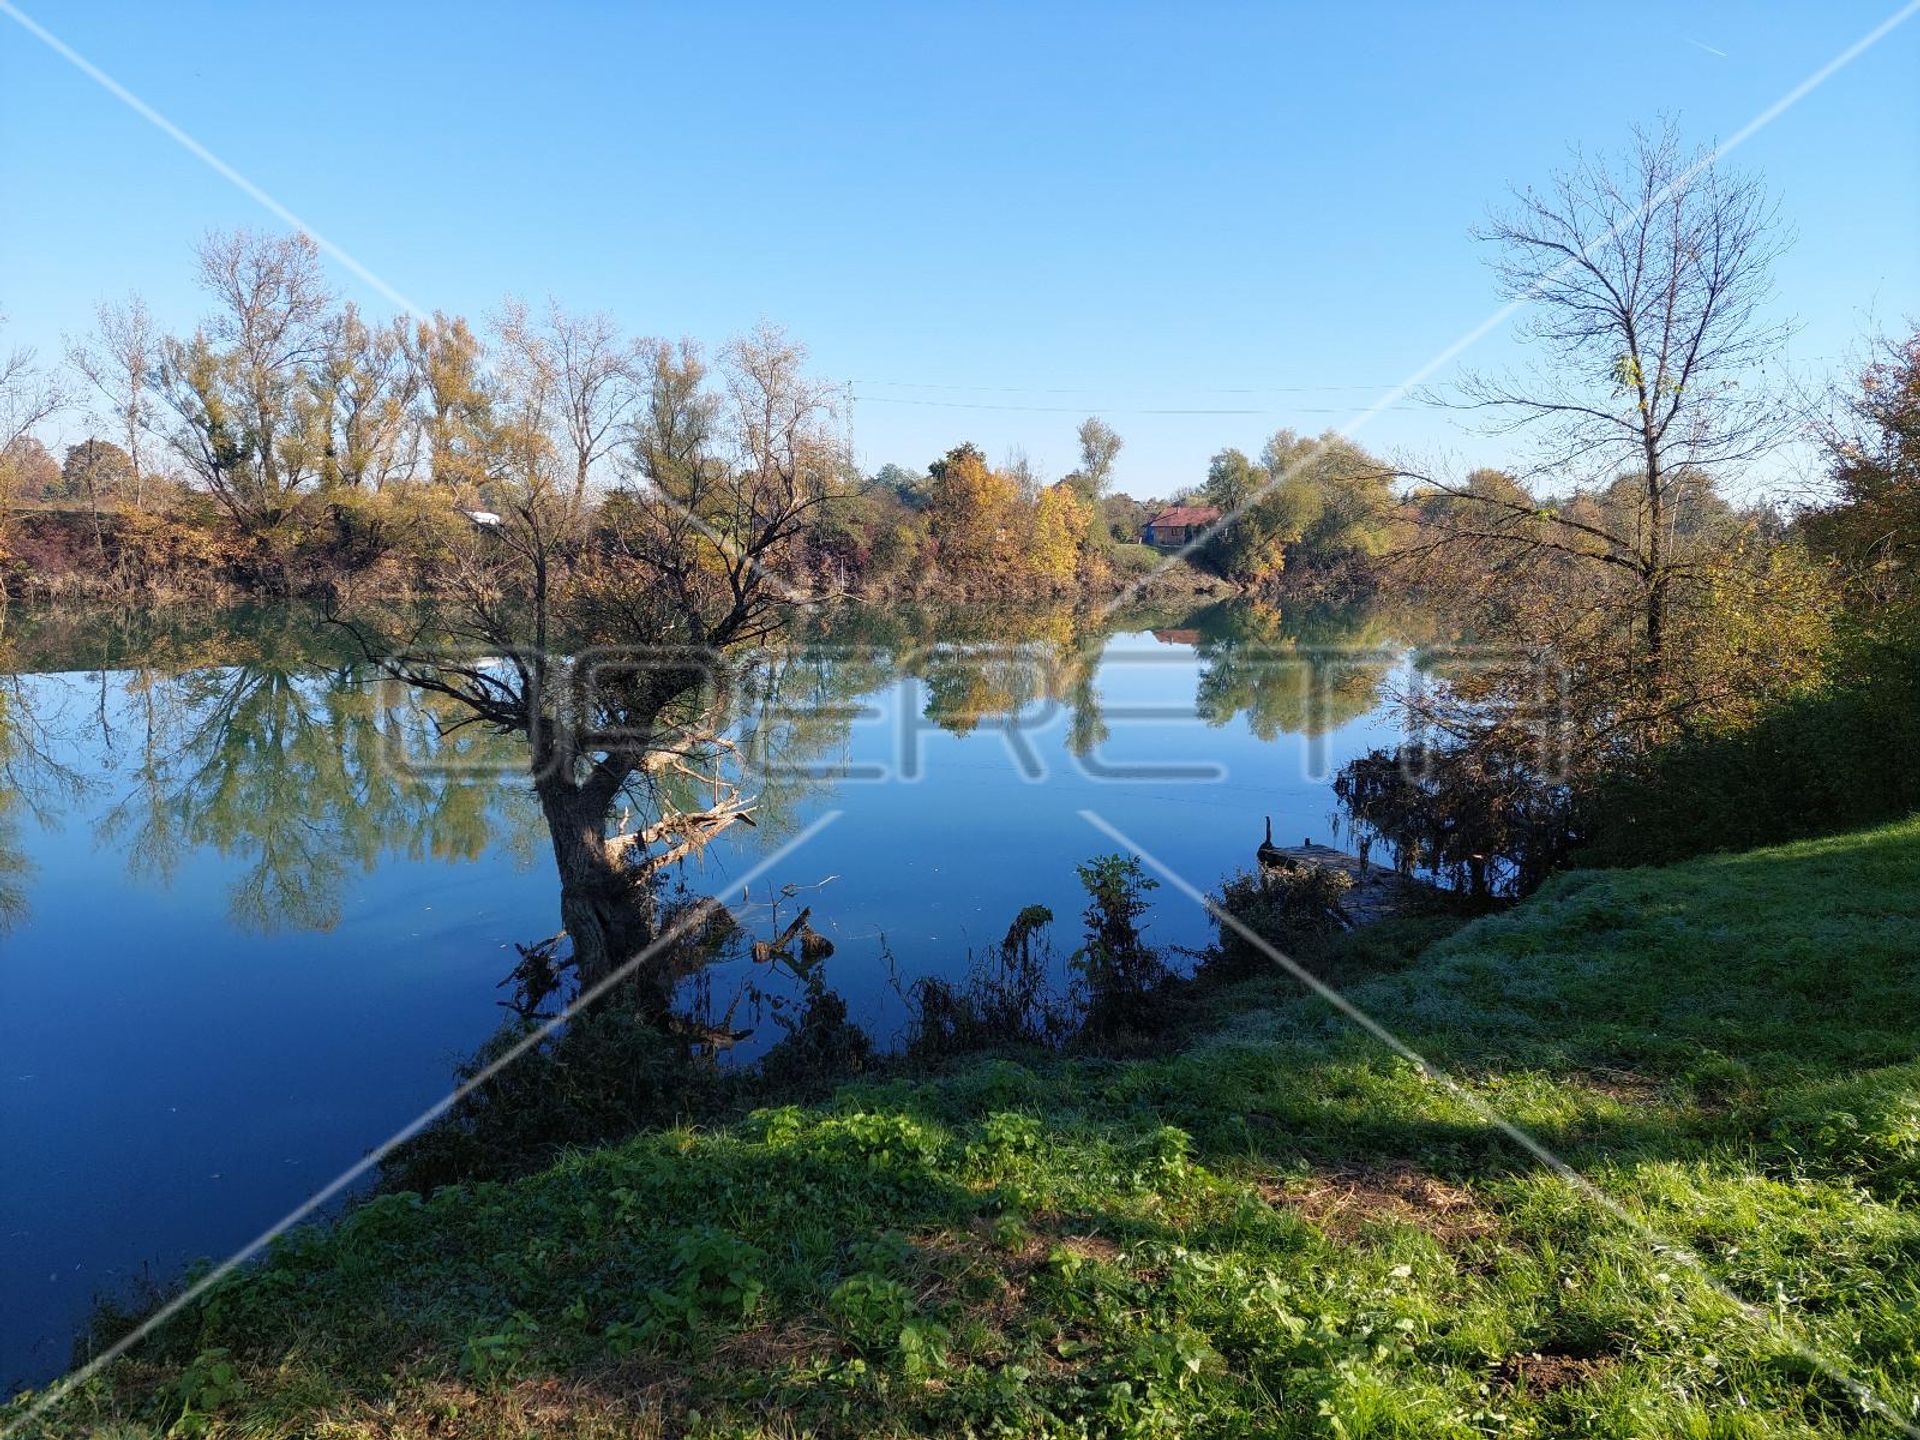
(246, 938)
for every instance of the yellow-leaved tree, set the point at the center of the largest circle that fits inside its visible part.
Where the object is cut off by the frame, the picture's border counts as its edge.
(1059, 530)
(973, 511)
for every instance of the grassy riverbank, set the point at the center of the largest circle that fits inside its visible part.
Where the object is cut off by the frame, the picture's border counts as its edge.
(1285, 1229)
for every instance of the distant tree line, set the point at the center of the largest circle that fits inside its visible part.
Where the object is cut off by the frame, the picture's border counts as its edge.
(291, 440)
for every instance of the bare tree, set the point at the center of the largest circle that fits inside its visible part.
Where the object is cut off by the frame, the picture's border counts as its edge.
(600, 387)
(674, 578)
(1647, 284)
(595, 380)
(1025, 475)
(29, 395)
(117, 362)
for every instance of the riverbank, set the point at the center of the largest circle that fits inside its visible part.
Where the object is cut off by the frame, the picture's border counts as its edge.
(1285, 1228)
(192, 552)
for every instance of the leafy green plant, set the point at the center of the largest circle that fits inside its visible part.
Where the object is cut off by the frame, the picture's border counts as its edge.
(922, 1348)
(879, 1316)
(888, 1141)
(718, 1274)
(1008, 1142)
(496, 1354)
(871, 1309)
(206, 1384)
(1119, 972)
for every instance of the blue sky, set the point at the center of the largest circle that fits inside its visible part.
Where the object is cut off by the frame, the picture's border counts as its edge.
(960, 209)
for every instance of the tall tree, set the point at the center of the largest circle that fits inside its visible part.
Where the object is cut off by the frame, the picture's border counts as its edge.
(449, 367)
(117, 362)
(600, 387)
(1348, 492)
(367, 389)
(676, 434)
(971, 511)
(1060, 523)
(595, 380)
(99, 472)
(1872, 523)
(1635, 602)
(1646, 283)
(29, 395)
(1099, 447)
(1264, 515)
(246, 418)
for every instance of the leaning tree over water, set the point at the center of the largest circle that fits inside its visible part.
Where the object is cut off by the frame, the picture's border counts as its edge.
(609, 640)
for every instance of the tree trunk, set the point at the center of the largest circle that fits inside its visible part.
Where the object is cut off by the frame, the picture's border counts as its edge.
(1655, 556)
(608, 916)
(1656, 619)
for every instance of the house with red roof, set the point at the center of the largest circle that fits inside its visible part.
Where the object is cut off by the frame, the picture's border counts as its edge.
(1177, 525)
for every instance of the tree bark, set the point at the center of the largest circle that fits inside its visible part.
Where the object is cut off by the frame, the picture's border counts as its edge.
(606, 912)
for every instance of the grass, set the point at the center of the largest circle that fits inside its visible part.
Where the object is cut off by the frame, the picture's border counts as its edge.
(1284, 1229)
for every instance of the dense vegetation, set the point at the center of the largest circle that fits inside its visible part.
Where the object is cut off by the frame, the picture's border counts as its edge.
(1284, 1229)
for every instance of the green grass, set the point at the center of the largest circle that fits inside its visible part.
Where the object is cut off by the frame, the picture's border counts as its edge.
(1285, 1229)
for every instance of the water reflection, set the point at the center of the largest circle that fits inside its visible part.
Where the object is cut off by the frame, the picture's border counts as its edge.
(302, 777)
(255, 735)
(1305, 673)
(34, 785)
(296, 766)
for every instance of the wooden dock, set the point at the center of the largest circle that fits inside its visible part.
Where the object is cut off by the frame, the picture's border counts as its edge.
(1379, 892)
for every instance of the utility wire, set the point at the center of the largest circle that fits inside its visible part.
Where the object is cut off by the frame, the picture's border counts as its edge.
(1119, 410)
(1088, 390)
(1176, 389)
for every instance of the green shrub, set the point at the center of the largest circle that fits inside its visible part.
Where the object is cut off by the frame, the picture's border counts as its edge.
(1121, 975)
(1842, 757)
(1290, 910)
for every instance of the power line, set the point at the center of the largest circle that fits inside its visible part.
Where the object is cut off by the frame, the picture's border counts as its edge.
(1088, 390)
(1255, 390)
(854, 398)
(1121, 410)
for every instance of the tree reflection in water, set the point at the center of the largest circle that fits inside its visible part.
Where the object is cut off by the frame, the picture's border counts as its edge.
(1304, 673)
(255, 735)
(34, 785)
(254, 740)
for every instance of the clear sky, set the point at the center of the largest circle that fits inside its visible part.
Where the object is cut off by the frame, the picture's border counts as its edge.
(992, 220)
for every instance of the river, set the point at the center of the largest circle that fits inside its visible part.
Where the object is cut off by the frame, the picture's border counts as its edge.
(254, 907)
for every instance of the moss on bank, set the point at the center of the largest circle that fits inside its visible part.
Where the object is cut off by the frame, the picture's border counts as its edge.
(1286, 1229)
